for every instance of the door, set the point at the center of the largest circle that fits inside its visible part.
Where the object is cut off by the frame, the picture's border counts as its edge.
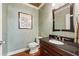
(0, 29)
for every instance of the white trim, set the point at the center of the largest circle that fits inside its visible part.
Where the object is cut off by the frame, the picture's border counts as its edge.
(31, 5)
(41, 5)
(1, 28)
(34, 6)
(17, 51)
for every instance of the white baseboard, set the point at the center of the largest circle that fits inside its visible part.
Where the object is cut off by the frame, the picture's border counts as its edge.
(17, 51)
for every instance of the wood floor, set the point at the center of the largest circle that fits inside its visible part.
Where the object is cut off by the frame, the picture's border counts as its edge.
(26, 53)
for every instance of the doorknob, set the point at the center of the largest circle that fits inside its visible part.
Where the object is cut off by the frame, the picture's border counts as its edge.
(2, 42)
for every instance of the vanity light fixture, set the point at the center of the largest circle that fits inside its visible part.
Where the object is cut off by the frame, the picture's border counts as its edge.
(53, 4)
(71, 15)
(77, 30)
(78, 18)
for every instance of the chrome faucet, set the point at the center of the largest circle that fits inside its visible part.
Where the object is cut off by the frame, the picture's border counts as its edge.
(59, 37)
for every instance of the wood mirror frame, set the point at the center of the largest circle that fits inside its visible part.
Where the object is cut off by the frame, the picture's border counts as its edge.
(71, 19)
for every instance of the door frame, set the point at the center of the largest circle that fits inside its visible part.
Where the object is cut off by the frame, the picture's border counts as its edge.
(1, 28)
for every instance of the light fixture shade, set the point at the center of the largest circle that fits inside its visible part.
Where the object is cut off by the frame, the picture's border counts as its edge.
(53, 4)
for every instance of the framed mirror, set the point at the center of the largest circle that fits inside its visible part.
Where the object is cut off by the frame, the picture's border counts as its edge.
(63, 18)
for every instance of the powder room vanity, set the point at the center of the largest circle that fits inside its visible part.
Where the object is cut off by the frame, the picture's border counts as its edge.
(65, 48)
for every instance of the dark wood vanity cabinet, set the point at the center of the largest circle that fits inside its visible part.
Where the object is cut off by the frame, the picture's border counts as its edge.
(46, 49)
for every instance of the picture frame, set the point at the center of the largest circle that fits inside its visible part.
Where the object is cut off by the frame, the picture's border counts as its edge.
(24, 20)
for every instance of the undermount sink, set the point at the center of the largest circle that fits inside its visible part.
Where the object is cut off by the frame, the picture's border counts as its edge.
(56, 42)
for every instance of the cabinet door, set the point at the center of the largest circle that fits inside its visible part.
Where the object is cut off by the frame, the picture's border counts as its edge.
(47, 50)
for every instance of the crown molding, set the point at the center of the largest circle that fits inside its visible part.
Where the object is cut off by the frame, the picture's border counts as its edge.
(41, 6)
(37, 8)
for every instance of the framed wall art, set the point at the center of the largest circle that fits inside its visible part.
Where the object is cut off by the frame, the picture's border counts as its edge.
(24, 20)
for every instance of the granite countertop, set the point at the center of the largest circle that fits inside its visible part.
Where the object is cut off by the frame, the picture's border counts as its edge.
(69, 47)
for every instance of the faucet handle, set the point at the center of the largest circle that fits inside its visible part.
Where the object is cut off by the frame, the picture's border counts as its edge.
(59, 38)
(56, 37)
(63, 39)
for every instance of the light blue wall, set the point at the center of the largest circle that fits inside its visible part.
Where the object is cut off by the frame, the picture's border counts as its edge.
(45, 22)
(19, 38)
